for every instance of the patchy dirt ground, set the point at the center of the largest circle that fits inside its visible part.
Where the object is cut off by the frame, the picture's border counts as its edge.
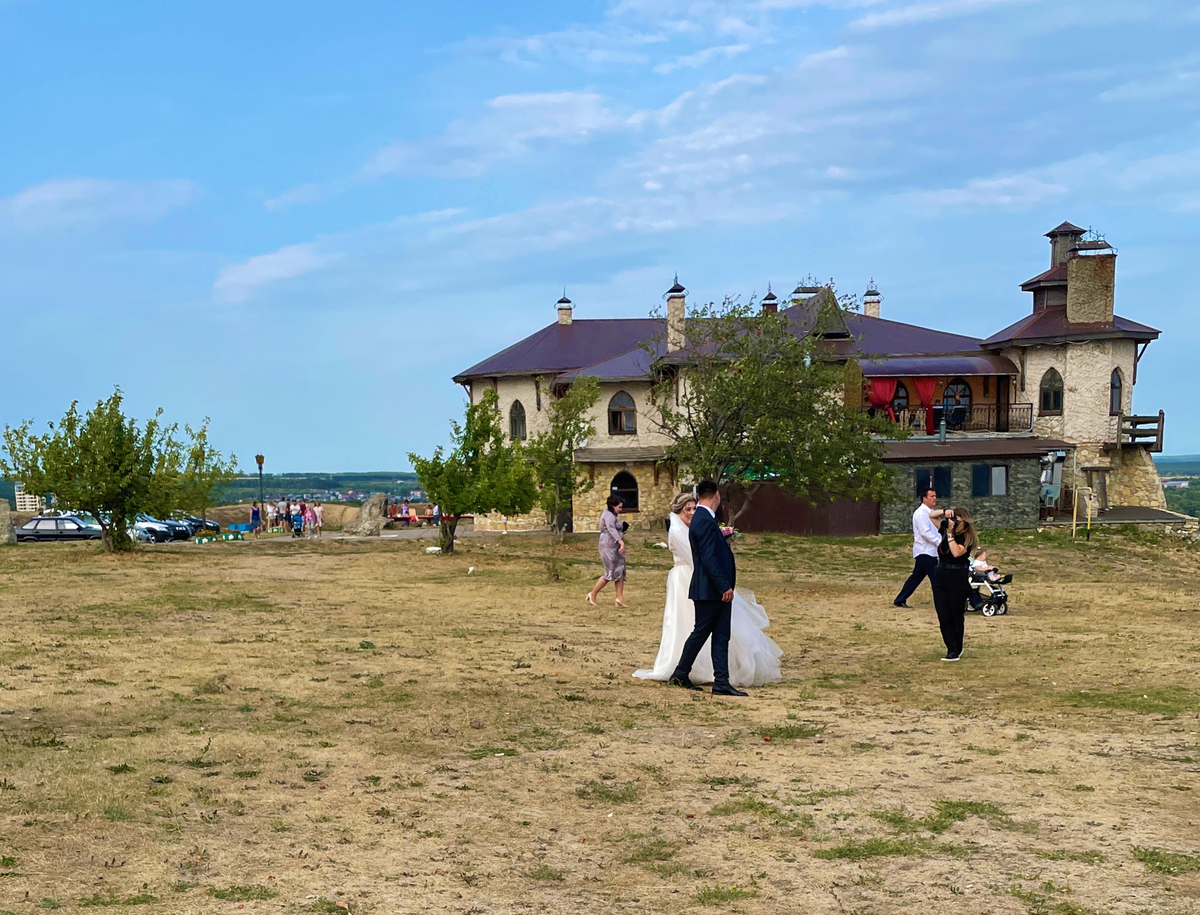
(322, 727)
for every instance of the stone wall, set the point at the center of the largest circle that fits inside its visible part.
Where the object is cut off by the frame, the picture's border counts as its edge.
(1134, 479)
(1090, 288)
(1086, 369)
(654, 498)
(494, 521)
(1020, 509)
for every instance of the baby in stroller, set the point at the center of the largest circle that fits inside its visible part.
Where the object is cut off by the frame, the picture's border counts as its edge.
(987, 587)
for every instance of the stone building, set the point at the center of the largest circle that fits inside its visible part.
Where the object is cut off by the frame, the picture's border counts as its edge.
(1009, 425)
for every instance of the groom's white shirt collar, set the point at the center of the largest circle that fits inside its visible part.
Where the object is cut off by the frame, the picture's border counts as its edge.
(707, 509)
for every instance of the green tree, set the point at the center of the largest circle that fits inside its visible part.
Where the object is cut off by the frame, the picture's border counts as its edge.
(752, 400)
(552, 452)
(100, 462)
(204, 472)
(480, 473)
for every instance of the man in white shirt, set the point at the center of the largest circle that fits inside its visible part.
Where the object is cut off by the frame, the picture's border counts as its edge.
(926, 538)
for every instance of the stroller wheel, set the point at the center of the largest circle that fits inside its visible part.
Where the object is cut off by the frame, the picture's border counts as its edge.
(989, 609)
(1003, 608)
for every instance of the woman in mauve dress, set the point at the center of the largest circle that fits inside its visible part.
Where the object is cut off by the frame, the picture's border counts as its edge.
(612, 552)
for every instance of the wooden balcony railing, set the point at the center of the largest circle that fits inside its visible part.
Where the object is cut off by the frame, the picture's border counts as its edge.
(1014, 418)
(1142, 430)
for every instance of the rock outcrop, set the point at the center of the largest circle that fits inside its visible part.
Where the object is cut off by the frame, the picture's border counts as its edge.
(370, 518)
(7, 534)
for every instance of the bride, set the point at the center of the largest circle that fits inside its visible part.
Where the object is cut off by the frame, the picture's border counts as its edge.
(753, 656)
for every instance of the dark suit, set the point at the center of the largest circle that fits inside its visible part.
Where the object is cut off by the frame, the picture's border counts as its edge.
(713, 573)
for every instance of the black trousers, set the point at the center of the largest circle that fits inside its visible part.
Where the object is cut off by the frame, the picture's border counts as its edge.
(712, 618)
(951, 588)
(923, 567)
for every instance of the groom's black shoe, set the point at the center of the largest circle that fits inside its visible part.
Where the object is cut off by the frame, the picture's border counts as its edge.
(727, 690)
(682, 682)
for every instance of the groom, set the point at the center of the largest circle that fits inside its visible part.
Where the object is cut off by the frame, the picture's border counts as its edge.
(713, 578)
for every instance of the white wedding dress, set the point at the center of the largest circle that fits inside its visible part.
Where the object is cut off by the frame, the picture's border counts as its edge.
(753, 656)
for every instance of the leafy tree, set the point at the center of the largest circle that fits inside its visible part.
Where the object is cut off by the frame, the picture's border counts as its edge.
(552, 452)
(750, 401)
(101, 462)
(481, 473)
(204, 471)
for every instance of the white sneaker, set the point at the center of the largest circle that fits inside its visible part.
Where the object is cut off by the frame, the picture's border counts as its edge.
(952, 657)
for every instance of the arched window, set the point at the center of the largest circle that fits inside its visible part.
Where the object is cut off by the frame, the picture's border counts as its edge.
(957, 394)
(624, 485)
(622, 415)
(1115, 389)
(900, 398)
(1050, 401)
(516, 421)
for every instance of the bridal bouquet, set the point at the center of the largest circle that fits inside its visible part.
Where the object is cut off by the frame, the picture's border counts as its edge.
(730, 533)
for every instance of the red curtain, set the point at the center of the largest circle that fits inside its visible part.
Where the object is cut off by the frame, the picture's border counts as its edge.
(880, 392)
(925, 388)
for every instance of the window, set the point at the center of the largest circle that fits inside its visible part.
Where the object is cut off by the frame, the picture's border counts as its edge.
(900, 398)
(1115, 384)
(67, 525)
(935, 478)
(989, 480)
(624, 484)
(622, 415)
(1050, 401)
(47, 524)
(516, 421)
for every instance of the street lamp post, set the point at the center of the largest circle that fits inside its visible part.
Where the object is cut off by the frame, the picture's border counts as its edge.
(259, 459)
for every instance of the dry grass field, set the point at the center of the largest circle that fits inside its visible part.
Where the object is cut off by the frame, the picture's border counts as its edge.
(285, 726)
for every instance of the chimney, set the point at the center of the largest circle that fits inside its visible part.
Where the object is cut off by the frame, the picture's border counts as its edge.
(676, 316)
(1063, 238)
(770, 302)
(564, 309)
(805, 289)
(871, 300)
(1091, 278)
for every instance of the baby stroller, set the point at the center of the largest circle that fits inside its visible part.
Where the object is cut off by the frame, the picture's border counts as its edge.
(297, 525)
(989, 598)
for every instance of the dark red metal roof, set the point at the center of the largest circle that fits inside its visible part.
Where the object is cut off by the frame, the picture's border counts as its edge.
(940, 366)
(1051, 325)
(562, 347)
(1054, 275)
(1065, 228)
(634, 365)
(881, 337)
(928, 448)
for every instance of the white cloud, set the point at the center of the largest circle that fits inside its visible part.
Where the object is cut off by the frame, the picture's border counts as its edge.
(86, 203)
(1012, 191)
(929, 12)
(700, 58)
(512, 126)
(305, 193)
(238, 282)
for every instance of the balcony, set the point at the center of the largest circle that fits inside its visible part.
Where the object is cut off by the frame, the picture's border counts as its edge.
(1013, 419)
(1145, 431)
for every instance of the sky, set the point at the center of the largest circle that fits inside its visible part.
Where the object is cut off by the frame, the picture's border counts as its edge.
(302, 219)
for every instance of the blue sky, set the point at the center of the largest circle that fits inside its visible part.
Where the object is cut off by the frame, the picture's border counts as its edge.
(301, 219)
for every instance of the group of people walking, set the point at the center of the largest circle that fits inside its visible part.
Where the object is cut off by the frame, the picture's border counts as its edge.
(300, 519)
(704, 608)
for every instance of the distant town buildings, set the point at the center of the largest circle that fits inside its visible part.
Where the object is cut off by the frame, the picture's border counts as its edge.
(27, 502)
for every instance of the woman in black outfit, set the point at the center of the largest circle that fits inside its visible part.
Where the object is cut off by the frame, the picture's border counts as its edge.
(952, 577)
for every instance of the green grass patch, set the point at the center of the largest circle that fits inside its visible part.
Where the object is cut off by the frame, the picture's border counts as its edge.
(1167, 862)
(545, 872)
(792, 731)
(717, 894)
(654, 850)
(1169, 701)
(247, 893)
(111, 898)
(481, 752)
(121, 769)
(1083, 857)
(851, 850)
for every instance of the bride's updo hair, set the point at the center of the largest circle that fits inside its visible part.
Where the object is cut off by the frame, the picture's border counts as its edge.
(679, 503)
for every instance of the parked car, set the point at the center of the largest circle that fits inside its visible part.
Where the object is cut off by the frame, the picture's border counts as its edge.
(179, 530)
(196, 525)
(60, 527)
(152, 531)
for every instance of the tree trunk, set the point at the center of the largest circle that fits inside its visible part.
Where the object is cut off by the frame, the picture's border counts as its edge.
(449, 526)
(749, 492)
